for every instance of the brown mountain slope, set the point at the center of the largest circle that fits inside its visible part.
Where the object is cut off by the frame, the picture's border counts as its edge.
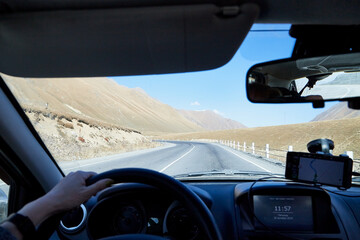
(210, 120)
(338, 111)
(100, 99)
(345, 133)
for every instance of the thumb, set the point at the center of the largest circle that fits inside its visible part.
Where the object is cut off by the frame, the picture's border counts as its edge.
(99, 185)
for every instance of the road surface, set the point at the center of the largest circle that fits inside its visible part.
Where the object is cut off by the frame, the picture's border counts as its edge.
(178, 158)
(175, 157)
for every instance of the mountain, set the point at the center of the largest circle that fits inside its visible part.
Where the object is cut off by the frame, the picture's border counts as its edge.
(338, 111)
(210, 120)
(100, 99)
(344, 132)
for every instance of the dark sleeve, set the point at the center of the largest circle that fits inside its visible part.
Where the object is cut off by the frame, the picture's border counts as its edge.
(6, 235)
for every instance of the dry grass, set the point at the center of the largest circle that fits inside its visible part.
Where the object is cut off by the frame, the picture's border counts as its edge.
(61, 117)
(65, 124)
(345, 133)
(67, 139)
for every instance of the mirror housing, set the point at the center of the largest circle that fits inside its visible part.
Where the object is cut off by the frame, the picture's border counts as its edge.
(314, 79)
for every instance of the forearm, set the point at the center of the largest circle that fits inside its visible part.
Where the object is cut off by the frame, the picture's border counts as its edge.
(37, 211)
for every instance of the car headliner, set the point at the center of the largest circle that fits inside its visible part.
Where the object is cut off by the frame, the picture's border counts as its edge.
(113, 38)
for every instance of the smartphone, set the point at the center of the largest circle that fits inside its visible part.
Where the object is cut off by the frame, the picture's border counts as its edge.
(319, 168)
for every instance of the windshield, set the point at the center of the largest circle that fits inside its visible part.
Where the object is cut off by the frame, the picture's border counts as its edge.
(190, 124)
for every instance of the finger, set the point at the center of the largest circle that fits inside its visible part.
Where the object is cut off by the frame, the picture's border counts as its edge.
(99, 185)
(86, 175)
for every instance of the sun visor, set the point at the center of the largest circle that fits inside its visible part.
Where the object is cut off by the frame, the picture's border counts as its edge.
(119, 42)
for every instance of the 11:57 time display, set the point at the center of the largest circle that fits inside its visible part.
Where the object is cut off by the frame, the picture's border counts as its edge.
(282, 208)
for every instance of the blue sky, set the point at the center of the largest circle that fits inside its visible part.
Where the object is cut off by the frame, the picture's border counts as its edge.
(223, 89)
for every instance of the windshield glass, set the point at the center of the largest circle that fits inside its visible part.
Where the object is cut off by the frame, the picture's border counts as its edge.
(191, 124)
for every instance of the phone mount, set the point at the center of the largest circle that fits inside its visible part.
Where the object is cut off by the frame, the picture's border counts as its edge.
(320, 166)
(322, 145)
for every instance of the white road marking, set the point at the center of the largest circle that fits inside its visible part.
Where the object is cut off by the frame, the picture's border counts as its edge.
(178, 159)
(245, 159)
(348, 91)
(112, 159)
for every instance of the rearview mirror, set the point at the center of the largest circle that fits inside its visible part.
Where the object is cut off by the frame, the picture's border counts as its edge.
(316, 79)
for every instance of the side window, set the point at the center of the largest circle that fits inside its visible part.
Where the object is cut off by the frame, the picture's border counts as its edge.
(4, 194)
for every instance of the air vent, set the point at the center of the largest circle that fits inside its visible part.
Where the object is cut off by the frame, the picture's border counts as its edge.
(74, 220)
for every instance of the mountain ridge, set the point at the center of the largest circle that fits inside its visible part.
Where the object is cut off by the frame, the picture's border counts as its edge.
(338, 111)
(211, 120)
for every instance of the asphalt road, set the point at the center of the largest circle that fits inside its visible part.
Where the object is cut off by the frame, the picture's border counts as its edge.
(178, 158)
(175, 158)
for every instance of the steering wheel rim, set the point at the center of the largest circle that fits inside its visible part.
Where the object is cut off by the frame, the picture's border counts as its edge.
(164, 182)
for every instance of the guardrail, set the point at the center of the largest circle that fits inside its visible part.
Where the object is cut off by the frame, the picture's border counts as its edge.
(265, 151)
(277, 154)
(268, 152)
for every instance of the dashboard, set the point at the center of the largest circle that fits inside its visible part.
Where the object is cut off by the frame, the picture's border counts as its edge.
(267, 210)
(146, 210)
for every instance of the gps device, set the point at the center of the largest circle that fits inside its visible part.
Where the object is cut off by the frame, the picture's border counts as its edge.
(319, 168)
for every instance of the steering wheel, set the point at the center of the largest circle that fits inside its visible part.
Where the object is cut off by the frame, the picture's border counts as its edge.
(170, 185)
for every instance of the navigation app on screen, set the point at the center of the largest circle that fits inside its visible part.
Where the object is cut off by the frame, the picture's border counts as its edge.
(317, 170)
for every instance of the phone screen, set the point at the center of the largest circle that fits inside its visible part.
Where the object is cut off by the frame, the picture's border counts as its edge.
(318, 168)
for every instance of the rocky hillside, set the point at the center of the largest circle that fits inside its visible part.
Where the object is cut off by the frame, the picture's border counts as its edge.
(71, 138)
(210, 120)
(80, 118)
